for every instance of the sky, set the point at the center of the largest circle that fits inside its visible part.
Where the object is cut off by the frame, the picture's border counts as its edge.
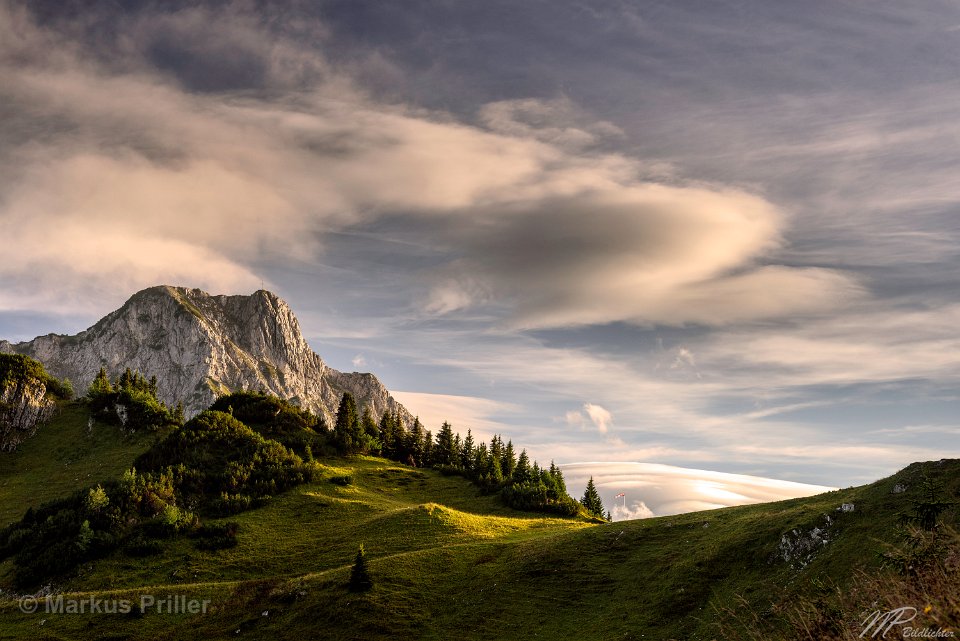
(703, 251)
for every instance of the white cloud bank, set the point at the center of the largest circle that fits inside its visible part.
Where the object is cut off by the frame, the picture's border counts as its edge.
(659, 490)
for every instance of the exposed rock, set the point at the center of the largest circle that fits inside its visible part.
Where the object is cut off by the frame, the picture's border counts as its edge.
(24, 406)
(199, 346)
(798, 548)
(899, 488)
(846, 507)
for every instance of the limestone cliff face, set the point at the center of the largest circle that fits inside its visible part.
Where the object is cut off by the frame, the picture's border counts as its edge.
(24, 406)
(199, 346)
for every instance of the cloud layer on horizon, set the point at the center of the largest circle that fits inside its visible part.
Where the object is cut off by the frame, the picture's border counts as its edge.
(663, 490)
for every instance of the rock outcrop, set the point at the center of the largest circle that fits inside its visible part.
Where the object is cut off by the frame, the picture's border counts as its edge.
(24, 406)
(797, 548)
(200, 346)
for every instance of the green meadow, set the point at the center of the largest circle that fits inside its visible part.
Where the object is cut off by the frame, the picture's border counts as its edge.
(446, 560)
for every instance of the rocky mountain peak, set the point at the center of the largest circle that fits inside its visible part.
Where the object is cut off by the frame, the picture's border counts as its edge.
(200, 345)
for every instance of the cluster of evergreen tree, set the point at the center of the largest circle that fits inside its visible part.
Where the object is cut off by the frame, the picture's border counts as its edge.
(131, 401)
(522, 483)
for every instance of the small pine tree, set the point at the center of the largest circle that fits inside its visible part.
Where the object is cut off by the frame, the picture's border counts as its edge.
(444, 448)
(427, 448)
(414, 443)
(481, 461)
(369, 433)
(929, 506)
(467, 454)
(348, 433)
(557, 474)
(591, 500)
(496, 472)
(522, 472)
(360, 580)
(387, 435)
(509, 462)
(496, 449)
(100, 385)
(178, 415)
(126, 380)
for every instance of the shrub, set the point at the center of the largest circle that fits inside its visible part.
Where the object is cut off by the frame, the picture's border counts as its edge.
(218, 455)
(140, 546)
(219, 536)
(229, 504)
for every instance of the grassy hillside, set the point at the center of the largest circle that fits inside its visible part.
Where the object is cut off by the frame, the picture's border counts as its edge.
(65, 455)
(448, 562)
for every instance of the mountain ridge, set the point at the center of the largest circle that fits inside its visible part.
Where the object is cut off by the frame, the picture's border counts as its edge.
(200, 345)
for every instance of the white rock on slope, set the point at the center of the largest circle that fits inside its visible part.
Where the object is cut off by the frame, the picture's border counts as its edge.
(23, 407)
(199, 346)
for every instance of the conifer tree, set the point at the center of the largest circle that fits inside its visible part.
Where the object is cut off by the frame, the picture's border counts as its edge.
(930, 505)
(388, 435)
(591, 500)
(444, 451)
(347, 432)
(522, 473)
(414, 443)
(360, 580)
(509, 461)
(370, 432)
(427, 455)
(557, 475)
(100, 385)
(496, 449)
(467, 452)
(496, 472)
(481, 462)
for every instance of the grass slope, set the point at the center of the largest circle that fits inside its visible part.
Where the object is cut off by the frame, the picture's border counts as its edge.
(65, 455)
(449, 563)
